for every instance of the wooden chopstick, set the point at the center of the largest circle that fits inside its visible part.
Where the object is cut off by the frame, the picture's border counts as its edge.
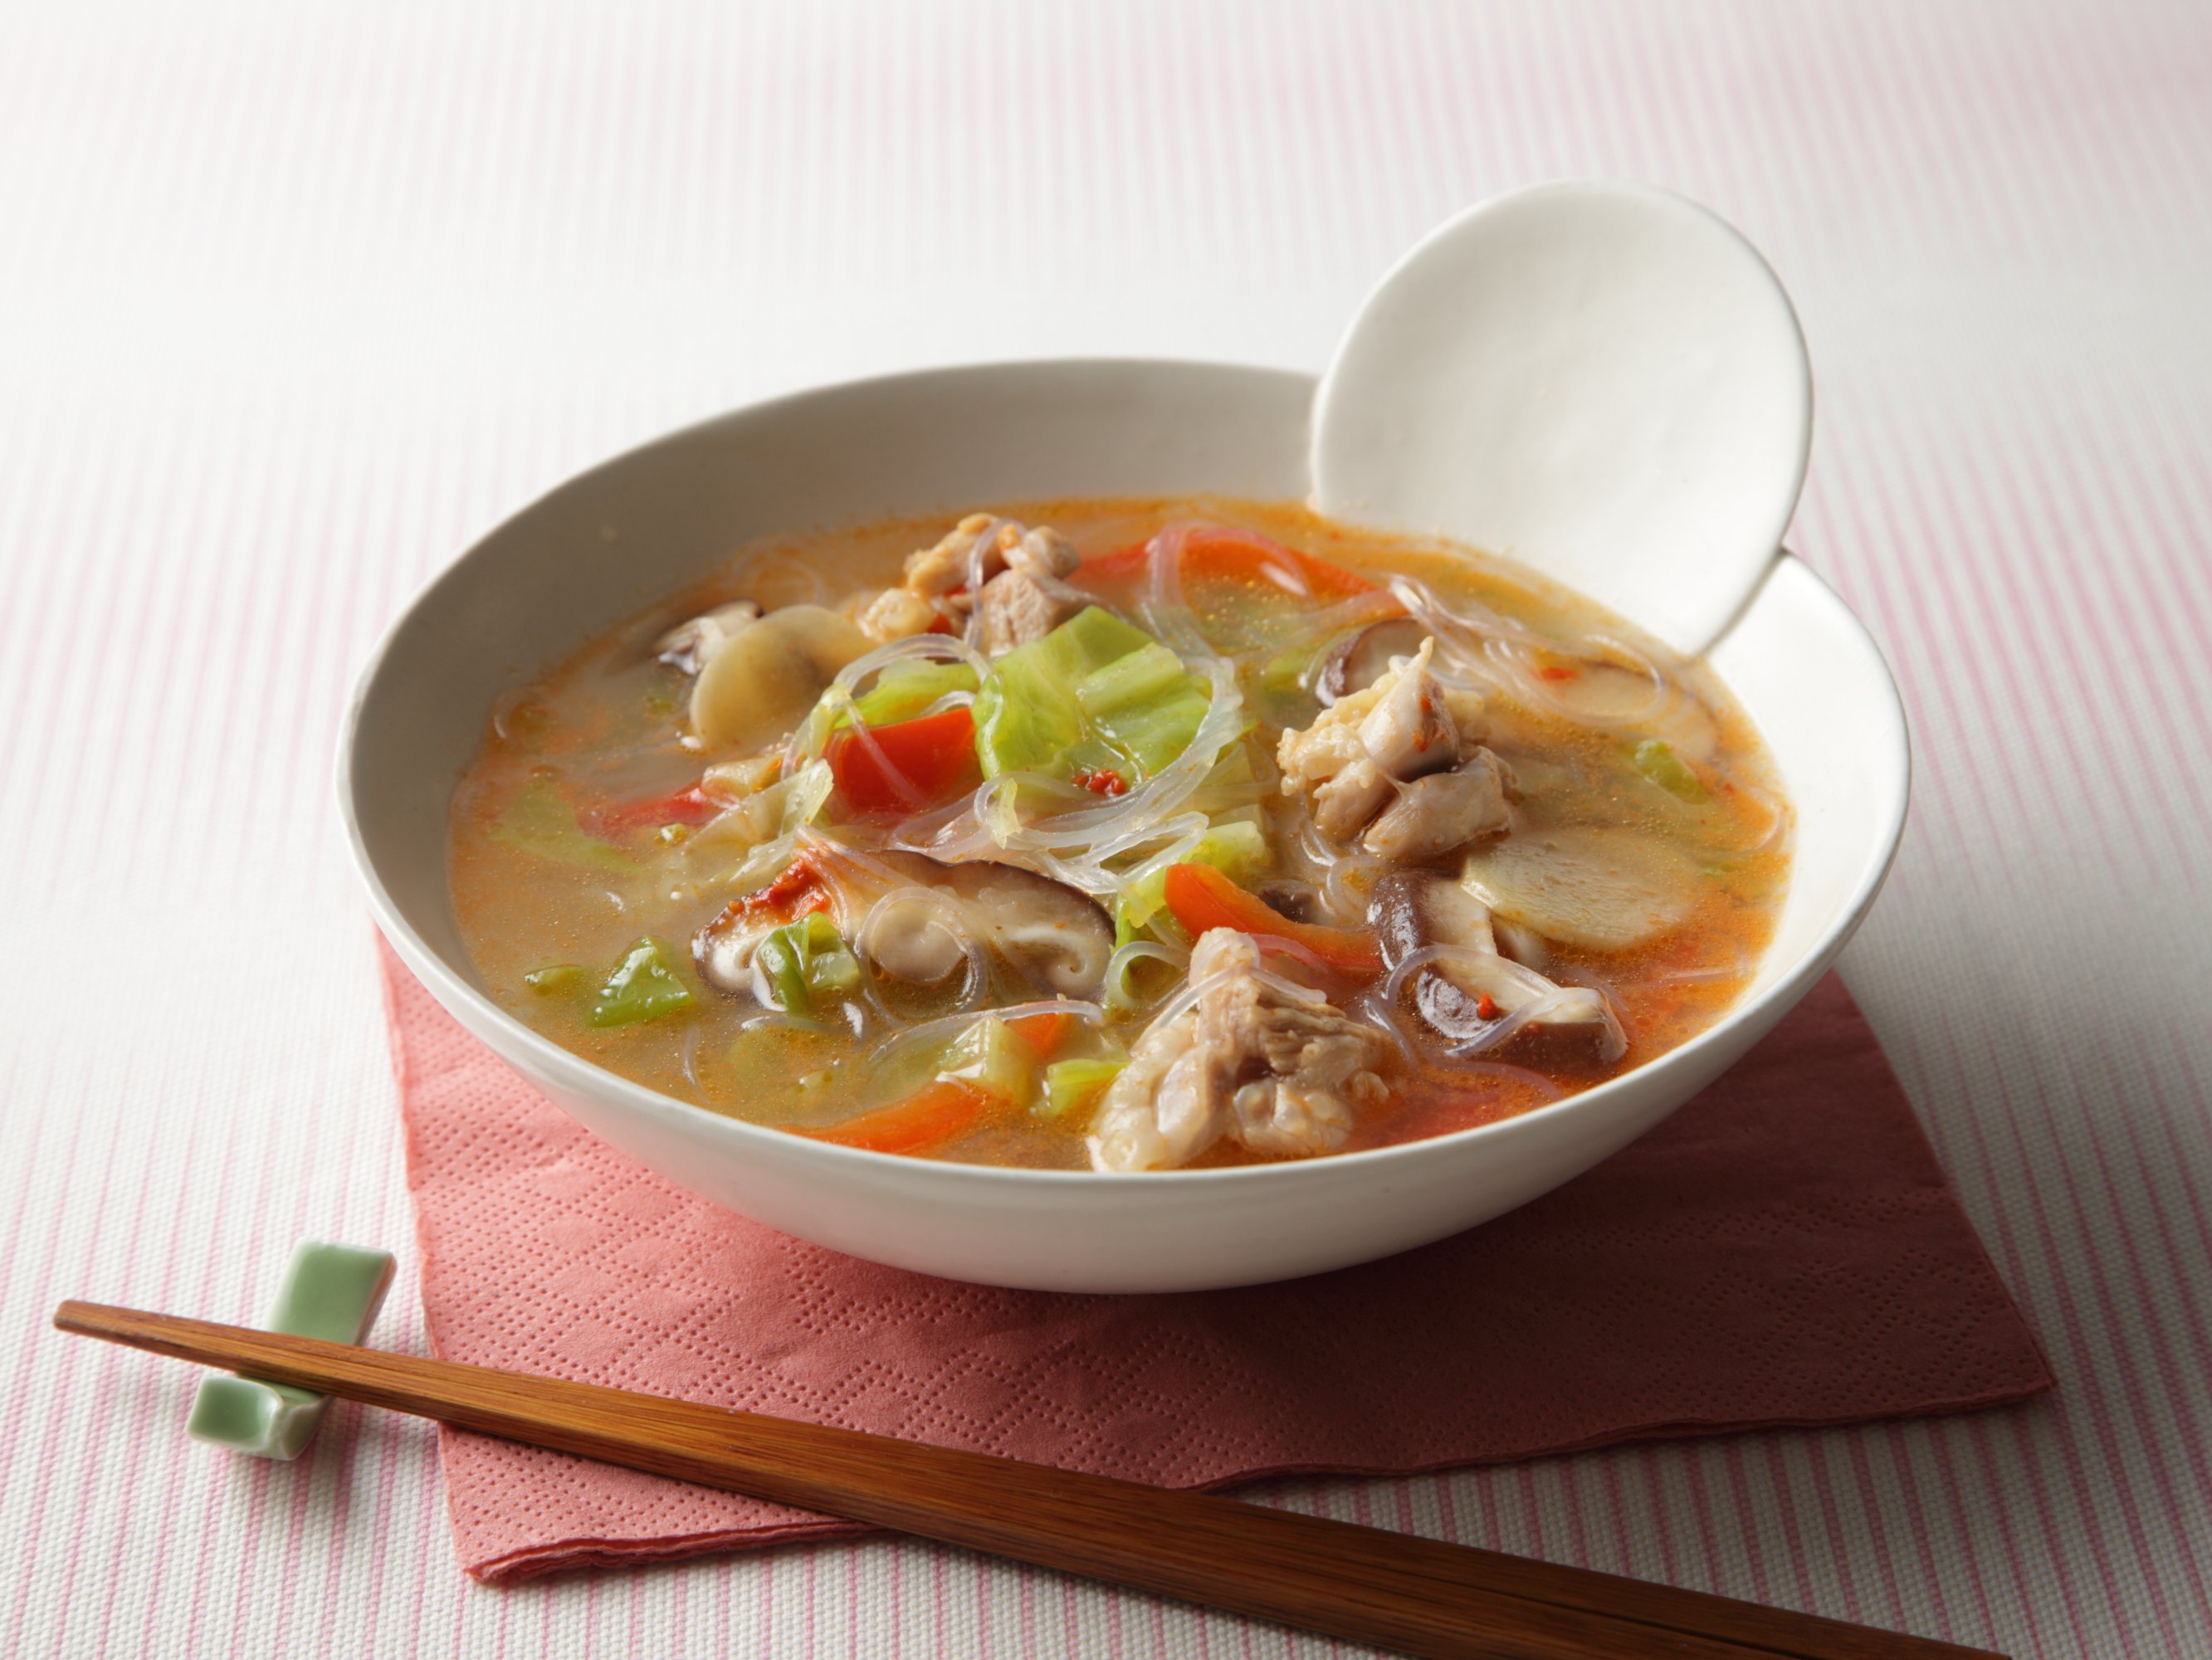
(1361, 1585)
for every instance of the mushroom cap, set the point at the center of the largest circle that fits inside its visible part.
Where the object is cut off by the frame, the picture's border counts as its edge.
(1412, 911)
(765, 679)
(691, 644)
(909, 937)
(1358, 660)
(724, 948)
(1053, 933)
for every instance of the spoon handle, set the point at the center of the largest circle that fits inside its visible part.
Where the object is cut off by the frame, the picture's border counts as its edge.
(1361, 1585)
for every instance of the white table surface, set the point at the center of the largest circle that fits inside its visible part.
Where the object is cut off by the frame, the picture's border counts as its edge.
(296, 299)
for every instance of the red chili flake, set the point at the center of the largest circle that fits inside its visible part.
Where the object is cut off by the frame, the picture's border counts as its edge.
(1554, 671)
(1487, 1007)
(1102, 781)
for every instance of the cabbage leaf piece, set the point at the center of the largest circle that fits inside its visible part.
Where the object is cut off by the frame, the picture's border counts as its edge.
(540, 821)
(1095, 695)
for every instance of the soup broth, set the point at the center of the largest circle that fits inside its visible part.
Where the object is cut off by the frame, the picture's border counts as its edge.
(1119, 835)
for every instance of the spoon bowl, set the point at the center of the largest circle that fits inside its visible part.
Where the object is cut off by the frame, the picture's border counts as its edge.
(1598, 378)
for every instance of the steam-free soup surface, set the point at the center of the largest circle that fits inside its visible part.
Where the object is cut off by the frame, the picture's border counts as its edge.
(1129, 834)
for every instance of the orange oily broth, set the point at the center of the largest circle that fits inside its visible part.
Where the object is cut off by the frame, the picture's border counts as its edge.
(606, 723)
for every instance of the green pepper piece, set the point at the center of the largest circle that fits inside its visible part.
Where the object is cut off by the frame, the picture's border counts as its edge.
(645, 986)
(780, 958)
(806, 957)
(1070, 1085)
(557, 979)
(823, 960)
(1657, 761)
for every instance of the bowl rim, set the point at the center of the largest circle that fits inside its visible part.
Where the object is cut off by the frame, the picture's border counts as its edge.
(448, 986)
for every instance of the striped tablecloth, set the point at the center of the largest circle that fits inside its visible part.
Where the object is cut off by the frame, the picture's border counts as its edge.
(294, 301)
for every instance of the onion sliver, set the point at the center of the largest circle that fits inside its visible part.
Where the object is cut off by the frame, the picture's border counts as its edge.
(1119, 997)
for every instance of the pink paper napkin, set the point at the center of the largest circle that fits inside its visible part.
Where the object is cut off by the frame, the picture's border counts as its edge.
(1783, 1251)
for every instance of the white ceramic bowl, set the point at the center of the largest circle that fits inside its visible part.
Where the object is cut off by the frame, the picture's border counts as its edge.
(612, 541)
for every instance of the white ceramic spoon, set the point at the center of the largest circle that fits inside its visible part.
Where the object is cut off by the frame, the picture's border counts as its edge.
(1598, 379)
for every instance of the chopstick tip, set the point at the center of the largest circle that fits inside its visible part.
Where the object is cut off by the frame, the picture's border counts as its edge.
(81, 1318)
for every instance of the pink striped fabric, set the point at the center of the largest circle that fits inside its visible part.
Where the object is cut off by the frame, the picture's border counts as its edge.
(298, 299)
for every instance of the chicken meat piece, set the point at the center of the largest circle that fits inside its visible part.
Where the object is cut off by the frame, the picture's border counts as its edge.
(1410, 730)
(896, 614)
(1016, 608)
(1320, 1075)
(1157, 1113)
(979, 547)
(1445, 810)
(1005, 574)
(938, 569)
(1269, 1065)
(1043, 553)
(1393, 729)
(1403, 732)
(926, 597)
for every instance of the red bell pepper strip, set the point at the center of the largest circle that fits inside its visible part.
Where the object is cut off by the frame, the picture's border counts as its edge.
(1042, 1032)
(613, 820)
(1201, 897)
(936, 1112)
(1226, 553)
(800, 890)
(908, 767)
(942, 1108)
